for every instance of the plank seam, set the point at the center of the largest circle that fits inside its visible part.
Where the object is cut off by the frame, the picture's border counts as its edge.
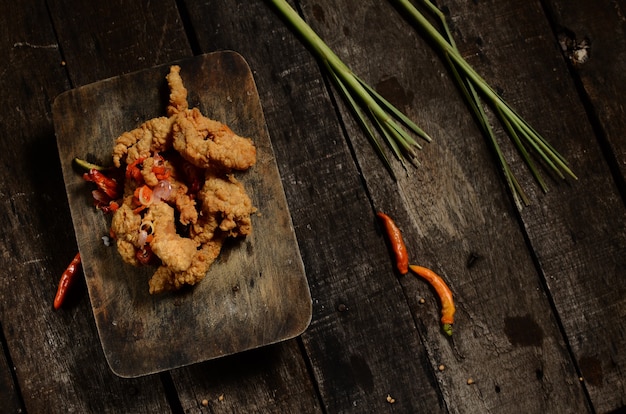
(592, 115)
(11, 366)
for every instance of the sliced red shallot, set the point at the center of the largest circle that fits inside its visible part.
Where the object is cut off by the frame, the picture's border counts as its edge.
(143, 238)
(162, 191)
(145, 231)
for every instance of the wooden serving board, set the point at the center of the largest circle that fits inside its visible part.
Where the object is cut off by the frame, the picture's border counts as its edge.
(255, 294)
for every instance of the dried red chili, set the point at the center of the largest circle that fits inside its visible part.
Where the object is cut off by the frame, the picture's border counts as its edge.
(144, 255)
(445, 295)
(108, 185)
(107, 192)
(397, 243)
(67, 278)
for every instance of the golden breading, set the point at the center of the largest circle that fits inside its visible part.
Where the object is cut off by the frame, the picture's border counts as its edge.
(165, 279)
(175, 252)
(204, 229)
(210, 144)
(180, 198)
(225, 199)
(185, 205)
(178, 92)
(154, 135)
(125, 227)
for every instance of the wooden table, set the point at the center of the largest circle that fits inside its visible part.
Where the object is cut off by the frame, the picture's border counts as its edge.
(540, 291)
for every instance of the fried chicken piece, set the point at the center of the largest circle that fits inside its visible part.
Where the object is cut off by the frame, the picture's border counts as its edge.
(178, 92)
(226, 209)
(194, 185)
(204, 229)
(201, 262)
(162, 280)
(165, 279)
(225, 199)
(125, 227)
(175, 252)
(152, 136)
(202, 141)
(207, 143)
(185, 205)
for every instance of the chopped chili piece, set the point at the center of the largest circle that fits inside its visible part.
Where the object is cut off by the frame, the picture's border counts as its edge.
(133, 171)
(161, 172)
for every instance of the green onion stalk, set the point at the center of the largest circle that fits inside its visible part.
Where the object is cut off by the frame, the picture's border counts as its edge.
(364, 101)
(473, 87)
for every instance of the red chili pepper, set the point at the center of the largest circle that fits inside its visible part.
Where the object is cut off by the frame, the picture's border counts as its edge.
(112, 207)
(105, 184)
(397, 243)
(161, 172)
(107, 192)
(445, 296)
(134, 172)
(142, 198)
(68, 276)
(142, 195)
(144, 255)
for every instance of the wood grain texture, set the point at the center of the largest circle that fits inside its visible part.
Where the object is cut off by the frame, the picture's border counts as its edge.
(362, 340)
(585, 265)
(105, 39)
(59, 363)
(256, 292)
(542, 305)
(446, 216)
(569, 228)
(264, 380)
(597, 29)
(9, 395)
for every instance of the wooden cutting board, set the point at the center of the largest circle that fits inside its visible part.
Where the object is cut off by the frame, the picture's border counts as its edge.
(255, 294)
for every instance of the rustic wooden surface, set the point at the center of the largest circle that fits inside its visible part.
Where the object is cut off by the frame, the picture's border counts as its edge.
(541, 312)
(255, 294)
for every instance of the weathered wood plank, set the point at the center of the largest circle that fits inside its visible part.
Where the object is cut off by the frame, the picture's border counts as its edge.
(558, 274)
(584, 266)
(255, 294)
(111, 38)
(9, 398)
(578, 230)
(362, 342)
(59, 363)
(128, 61)
(568, 229)
(507, 341)
(265, 380)
(593, 37)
